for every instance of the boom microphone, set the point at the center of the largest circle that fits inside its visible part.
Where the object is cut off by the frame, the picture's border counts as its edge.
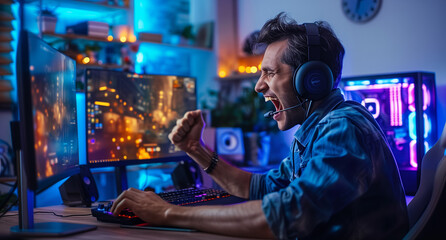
(271, 113)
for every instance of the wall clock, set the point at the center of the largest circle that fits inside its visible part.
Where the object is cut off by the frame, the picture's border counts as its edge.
(360, 10)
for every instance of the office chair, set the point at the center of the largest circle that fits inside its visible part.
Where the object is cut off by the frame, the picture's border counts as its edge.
(427, 208)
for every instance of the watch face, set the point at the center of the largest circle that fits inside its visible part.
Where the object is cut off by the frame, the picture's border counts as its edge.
(360, 10)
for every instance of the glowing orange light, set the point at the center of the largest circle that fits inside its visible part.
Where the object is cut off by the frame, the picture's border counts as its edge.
(248, 70)
(129, 138)
(241, 69)
(105, 104)
(121, 139)
(143, 154)
(113, 139)
(132, 38)
(103, 88)
(253, 69)
(85, 60)
(222, 74)
(123, 39)
(110, 38)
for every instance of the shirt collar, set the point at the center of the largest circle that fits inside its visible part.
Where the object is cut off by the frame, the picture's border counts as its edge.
(306, 130)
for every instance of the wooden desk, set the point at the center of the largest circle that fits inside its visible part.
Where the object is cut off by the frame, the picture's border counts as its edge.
(106, 231)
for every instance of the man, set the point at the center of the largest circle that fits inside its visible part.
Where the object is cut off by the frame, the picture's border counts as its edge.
(340, 180)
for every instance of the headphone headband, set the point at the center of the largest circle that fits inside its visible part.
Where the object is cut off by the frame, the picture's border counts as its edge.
(313, 41)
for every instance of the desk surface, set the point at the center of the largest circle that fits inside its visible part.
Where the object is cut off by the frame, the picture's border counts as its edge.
(106, 231)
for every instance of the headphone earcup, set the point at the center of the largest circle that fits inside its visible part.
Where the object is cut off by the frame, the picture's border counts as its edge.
(313, 80)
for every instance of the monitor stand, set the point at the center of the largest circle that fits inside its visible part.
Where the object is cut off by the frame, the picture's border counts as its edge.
(26, 226)
(121, 179)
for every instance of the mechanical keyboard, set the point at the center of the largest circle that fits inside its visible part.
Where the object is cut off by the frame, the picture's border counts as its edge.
(182, 197)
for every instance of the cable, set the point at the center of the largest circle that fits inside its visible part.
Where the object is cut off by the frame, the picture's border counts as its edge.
(59, 215)
(55, 214)
(7, 198)
(9, 208)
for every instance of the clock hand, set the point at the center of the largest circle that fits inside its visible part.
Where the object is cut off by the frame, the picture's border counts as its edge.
(358, 3)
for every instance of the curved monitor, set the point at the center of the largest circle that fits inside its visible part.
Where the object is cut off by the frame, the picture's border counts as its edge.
(129, 116)
(47, 107)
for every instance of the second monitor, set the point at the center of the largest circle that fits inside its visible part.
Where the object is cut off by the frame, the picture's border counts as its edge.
(129, 116)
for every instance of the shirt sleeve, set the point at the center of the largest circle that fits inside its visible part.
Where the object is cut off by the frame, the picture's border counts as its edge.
(273, 180)
(336, 174)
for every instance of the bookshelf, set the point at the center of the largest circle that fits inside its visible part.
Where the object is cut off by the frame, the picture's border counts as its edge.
(196, 59)
(6, 54)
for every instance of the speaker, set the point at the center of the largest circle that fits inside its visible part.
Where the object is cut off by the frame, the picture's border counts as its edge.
(79, 189)
(230, 144)
(313, 80)
(186, 174)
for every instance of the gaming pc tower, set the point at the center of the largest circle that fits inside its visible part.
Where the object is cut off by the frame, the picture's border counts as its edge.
(404, 105)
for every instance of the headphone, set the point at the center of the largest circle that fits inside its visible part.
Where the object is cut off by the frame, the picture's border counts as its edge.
(313, 80)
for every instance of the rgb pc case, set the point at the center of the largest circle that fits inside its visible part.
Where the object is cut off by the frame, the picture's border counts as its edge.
(404, 105)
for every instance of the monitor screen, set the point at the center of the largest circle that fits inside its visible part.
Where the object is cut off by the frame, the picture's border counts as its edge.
(47, 105)
(129, 116)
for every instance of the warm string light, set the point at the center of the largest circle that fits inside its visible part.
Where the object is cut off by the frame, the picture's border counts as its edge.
(242, 69)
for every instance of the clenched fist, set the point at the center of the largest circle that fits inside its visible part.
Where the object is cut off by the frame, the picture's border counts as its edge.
(187, 134)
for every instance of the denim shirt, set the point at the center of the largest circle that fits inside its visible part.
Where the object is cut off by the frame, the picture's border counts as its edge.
(340, 180)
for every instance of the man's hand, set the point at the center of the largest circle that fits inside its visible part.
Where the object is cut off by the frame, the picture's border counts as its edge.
(147, 205)
(186, 135)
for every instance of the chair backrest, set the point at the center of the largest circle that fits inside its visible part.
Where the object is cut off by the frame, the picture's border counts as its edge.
(431, 223)
(426, 202)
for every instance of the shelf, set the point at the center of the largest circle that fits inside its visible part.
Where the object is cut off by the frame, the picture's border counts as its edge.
(5, 61)
(7, 1)
(5, 70)
(104, 40)
(5, 47)
(80, 37)
(180, 47)
(6, 17)
(105, 65)
(101, 6)
(5, 37)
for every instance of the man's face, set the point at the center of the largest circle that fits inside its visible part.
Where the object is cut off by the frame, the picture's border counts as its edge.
(276, 86)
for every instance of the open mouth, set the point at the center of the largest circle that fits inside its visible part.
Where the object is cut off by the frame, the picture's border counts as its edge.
(275, 101)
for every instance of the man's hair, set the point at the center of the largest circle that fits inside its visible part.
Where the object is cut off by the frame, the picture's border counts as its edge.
(282, 27)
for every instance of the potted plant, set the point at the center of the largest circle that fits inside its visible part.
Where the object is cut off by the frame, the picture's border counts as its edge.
(47, 21)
